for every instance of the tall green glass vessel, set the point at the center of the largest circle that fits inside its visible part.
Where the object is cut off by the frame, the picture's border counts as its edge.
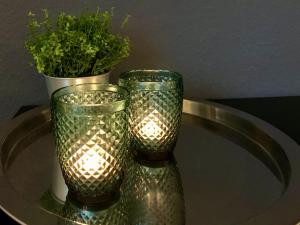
(91, 134)
(155, 109)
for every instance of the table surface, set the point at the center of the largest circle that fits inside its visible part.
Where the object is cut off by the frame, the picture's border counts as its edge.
(279, 111)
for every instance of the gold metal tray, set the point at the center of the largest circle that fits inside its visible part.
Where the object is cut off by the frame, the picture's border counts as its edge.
(235, 168)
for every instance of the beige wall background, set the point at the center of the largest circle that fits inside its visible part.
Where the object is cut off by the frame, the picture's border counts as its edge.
(224, 49)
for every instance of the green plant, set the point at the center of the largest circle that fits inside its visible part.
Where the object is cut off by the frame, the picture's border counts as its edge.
(74, 46)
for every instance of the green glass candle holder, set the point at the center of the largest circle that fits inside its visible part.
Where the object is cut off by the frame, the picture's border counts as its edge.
(91, 135)
(155, 110)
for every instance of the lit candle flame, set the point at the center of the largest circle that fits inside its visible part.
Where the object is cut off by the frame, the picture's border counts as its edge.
(151, 130)
(93, 160)
(151, 127)
(90, 164)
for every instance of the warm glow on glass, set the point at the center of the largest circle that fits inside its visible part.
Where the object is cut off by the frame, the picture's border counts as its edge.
(151, 130)
(154, 111)
(91, 162)
(91, 136)
(150, 127)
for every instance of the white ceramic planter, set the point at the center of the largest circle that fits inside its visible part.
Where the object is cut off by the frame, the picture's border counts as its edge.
(59, 189)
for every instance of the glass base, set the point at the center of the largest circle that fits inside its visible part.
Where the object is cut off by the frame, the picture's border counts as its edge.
(155, 164)
(93, 203)
(152, 158)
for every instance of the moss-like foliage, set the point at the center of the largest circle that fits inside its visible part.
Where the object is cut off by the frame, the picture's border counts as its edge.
(74, 46)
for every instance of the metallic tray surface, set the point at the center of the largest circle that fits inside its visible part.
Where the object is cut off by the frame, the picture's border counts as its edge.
(235, 168)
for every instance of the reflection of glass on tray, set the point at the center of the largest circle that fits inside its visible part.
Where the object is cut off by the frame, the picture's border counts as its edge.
(154, 194)
(150, 194)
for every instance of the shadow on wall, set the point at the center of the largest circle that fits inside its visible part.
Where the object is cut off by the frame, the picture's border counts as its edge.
(207, 87)
(144, 54)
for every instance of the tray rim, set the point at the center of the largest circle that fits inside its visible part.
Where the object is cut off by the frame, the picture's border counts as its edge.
(214, 112)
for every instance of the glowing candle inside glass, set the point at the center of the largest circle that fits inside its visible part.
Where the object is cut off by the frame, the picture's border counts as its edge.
(155, 110)
(150, 127)
(91, 133)
(90, 160)
(91, 163)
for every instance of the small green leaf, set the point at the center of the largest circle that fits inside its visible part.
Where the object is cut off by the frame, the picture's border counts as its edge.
(31, 14)
(125, 21)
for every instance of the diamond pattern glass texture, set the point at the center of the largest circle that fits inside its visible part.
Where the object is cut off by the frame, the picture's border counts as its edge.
(155, 109)
(91, 134)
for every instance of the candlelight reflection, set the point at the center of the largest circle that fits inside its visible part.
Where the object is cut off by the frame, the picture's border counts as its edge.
(150, 195)
(113, 215)
(154, 194)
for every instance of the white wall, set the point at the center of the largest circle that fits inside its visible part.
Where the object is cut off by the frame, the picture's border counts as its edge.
(224, 49)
